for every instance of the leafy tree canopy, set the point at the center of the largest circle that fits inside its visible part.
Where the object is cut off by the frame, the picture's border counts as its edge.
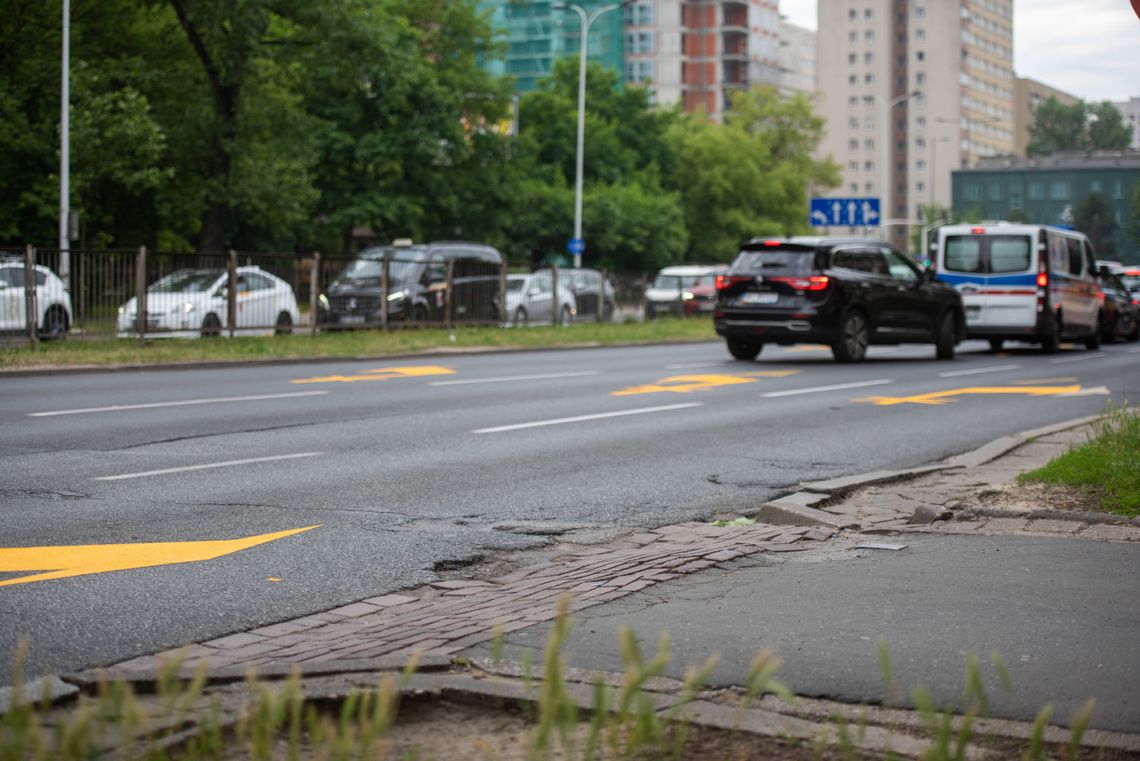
(1079, 127)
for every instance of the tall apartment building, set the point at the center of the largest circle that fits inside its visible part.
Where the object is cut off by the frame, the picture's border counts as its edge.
(693, 52)
(957, 55)
(1028, 95)
(537, 34)
(797, 60)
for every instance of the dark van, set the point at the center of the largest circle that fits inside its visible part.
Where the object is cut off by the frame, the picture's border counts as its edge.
(417, 287)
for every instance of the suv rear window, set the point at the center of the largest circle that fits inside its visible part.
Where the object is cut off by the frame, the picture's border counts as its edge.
(775, 261)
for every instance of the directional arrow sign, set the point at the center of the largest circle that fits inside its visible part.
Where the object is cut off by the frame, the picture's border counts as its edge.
(82, 559)
(844, 212)
(684, 384)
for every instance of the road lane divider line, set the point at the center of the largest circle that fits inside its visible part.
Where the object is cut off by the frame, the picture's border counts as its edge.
(509, 378)
(978, 371)
(820, 389)
(583, 418)
(183, 403)
(1081, 358)
(208, 466)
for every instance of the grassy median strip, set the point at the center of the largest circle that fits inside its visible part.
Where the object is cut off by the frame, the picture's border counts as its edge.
(362, 343)
(1106, 467)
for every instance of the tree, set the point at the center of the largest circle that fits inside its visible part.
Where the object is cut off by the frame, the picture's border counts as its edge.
(750, 176)
(1079, 127)
(1094, 217)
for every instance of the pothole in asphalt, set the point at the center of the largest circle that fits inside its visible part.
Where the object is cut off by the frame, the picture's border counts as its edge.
(540, 528)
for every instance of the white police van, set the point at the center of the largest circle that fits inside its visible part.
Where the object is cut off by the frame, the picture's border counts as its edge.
(1020, 282)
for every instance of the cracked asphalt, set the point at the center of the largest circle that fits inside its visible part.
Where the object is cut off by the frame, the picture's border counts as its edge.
(404, 477)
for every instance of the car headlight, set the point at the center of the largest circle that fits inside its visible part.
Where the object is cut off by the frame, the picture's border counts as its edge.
(687, 296)
(122, 311)
(189, 307)
(398, 295)
(323, 301)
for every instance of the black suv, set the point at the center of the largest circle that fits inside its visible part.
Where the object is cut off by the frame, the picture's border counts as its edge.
(417, 285)
(844, 292)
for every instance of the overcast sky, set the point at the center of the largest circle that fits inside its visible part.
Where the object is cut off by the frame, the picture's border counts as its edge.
(1087, 48)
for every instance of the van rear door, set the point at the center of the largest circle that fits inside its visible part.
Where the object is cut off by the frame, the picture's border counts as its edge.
(1011, 286)
(964, 267)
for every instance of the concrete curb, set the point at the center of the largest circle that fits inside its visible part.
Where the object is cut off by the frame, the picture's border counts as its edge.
(799, 508)
(224, 364)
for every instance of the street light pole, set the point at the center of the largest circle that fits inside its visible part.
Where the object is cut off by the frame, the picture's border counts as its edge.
(886, 173)
(65, 150)
(587, 20)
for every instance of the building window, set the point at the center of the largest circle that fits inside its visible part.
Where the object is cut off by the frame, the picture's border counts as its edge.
(852, 59)
(852, 166)
(920, 78)
(852, 145)
(920, 34)
(920, 143)
(1036, 191)
(1118, 189)
(869, 188)
(638, 71)
(1059, 191)
(851, 14)
(854, 187)
(868, 57)
(868, 166)
(919, 12)
(852, 36)
(868, 145)
(868, 100)
(867, 14)
(639, 14)
(853, 101)
(869, 123)
(995, 191)
(1094, 186)
(920, 123)
(869, 79)
(920, 165)
(852, 80)
(869, 35)
(971, 191)
(920, 187)
(853, 123)
(920, 55)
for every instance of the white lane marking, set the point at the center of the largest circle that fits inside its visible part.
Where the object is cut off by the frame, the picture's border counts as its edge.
(1081, 358)
(695, 365)
(1134, 351)
(819, 389)
(152, 405)
(582, 418)
(978, 371)
(208, 466)
(509, 378)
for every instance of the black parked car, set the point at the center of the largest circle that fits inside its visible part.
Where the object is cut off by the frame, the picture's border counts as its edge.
(417, 285)
(844, 292)
(1121, 308)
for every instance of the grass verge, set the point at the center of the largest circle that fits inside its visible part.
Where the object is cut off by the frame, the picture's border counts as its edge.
(1106, 467)
(630, 715)
(371, 343)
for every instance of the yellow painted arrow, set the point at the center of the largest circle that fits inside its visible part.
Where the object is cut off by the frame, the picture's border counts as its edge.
(381, 374)
(82, 559)
(684, 384)
(947, 397)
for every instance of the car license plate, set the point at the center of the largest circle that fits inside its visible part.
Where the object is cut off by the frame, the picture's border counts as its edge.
(352, 319)
(759, 297)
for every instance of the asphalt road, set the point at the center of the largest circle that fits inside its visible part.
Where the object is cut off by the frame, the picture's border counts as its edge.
(405, 470)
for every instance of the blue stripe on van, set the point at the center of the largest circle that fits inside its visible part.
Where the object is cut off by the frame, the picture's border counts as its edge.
(1022, 279)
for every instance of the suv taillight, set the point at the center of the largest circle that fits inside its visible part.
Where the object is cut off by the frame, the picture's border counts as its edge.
(724, 282)
(811, 283)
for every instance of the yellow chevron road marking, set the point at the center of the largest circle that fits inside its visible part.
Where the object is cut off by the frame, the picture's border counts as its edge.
(381, 374)
(953, 395)
(79, 560)
(684, 384)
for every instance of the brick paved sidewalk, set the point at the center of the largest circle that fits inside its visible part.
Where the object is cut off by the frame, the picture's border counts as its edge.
(446, 617)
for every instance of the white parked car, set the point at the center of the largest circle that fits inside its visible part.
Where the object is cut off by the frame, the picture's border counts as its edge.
(192, 302)
(53, 302)
(530, 299)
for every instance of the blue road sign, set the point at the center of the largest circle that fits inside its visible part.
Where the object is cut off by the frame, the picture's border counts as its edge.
(576, 246)
(845, 212)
